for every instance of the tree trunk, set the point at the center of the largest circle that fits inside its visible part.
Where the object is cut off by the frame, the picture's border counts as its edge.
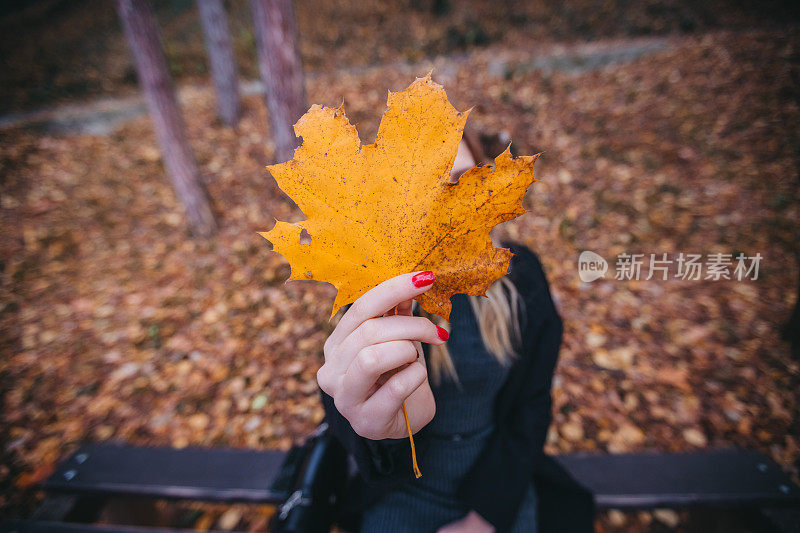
(141, 31)
(281, 70)
(220, 55)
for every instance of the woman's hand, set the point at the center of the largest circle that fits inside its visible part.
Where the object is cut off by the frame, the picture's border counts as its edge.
(472, 523)
(374, 363)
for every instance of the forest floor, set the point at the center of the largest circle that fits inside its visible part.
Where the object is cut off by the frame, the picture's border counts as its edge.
(117, 325)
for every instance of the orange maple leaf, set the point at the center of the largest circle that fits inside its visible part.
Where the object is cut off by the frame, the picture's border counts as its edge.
(380, 210)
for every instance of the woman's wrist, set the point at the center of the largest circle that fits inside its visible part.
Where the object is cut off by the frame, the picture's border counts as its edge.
(478, 523)
(471, 523)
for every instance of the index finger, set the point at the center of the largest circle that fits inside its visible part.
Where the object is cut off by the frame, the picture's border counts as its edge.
(380, 299)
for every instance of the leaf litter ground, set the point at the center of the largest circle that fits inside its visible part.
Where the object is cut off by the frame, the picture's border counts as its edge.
(116, 326)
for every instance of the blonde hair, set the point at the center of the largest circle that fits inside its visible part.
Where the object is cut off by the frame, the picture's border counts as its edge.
(498, 317)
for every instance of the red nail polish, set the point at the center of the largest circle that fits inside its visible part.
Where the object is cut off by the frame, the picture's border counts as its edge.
(423, 279)
(442, 333)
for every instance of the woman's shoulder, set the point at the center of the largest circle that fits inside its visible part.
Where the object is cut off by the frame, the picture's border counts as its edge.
(527, 275)
(525, 270)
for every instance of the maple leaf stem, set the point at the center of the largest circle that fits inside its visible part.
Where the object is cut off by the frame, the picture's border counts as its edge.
(417, 473)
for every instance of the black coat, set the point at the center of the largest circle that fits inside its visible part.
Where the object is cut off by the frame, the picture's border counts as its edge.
(513, 456)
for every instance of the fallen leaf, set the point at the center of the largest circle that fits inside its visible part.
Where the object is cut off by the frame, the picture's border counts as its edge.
(28, 479)
(572, 431)
(677, 377)
(617, 359)
(668, 517)
(204, 523)
(616, 517)
(229, 519)
(695, 437)
(626, 438)
(384, 209)
(258, 402)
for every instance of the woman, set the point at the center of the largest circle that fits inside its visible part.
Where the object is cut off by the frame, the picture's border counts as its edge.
(480, 420)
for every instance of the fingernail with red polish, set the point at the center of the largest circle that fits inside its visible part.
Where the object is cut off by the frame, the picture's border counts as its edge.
(423, 279)
(442, 333)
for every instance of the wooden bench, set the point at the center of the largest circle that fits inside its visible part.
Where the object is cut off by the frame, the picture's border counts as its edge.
(96, 473)
(725, 477)
(219, 475)
(309, 475)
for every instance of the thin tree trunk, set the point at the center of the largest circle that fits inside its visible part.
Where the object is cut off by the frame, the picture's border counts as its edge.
(281, 70)
(220, 55)
(144, 39)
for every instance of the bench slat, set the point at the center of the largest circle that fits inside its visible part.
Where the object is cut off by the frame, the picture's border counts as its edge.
(224, 475)
(646, 480)
(713, 477)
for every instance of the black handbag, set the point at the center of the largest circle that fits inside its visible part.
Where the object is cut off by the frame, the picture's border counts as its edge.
(314, 475)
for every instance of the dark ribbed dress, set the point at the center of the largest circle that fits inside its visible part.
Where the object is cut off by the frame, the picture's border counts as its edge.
(456, 436)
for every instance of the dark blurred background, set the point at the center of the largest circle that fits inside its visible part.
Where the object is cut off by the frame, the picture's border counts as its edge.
(55, 51)
(666, 126)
